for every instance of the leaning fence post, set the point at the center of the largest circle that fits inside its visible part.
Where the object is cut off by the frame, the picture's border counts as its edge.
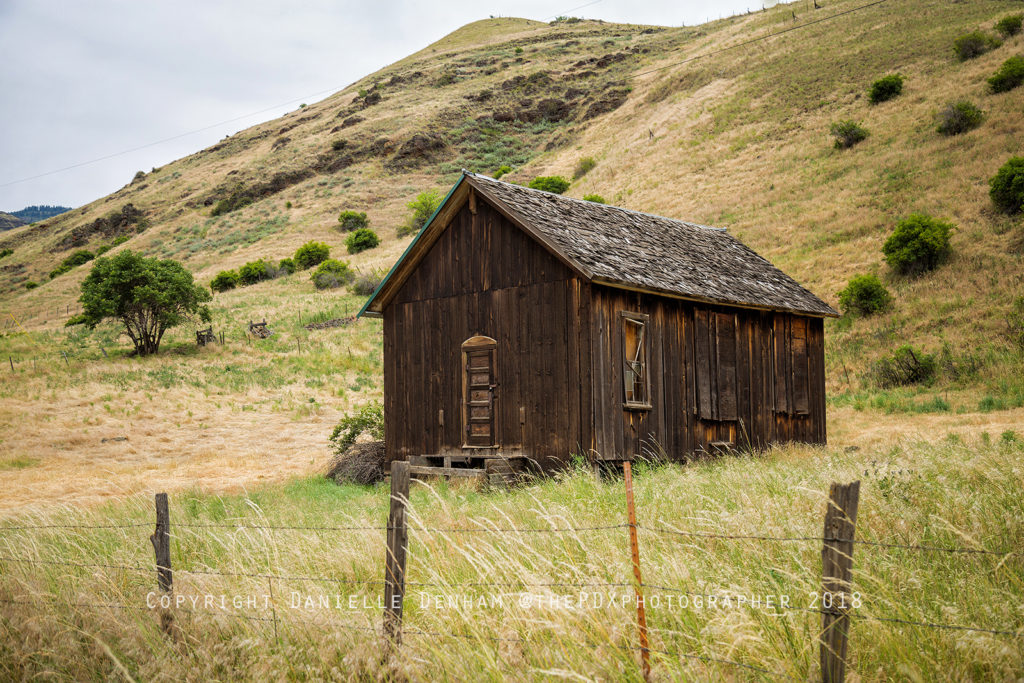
(394, 562)
(836, 578)
(161, 540)
(641, 615)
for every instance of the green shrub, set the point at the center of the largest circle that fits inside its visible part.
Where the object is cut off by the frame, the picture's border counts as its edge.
(310, 254)
(904, 367)
(585, 166)
(361, 240)
(885, 88)
(974, 44)
(596, 198)
(1006, 188)
(225, 280)
(286, 266)
(332, 273)
(918, 243)
(120, 239)
(31, 285)
(369, 419)
(502, 170)
(76, 259)
(864, 295)
(1010, 25)
(959, 117)
(352, 220)
(79, 319)
(366, 284)
(550, 183)
(4, 253)
(100, 251)
(847, 133)
(339, 144)
(1009, 76)
(423, 207)
(255, 271)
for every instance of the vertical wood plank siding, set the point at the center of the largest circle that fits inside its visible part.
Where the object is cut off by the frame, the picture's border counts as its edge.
(713, 378)
(717, 374)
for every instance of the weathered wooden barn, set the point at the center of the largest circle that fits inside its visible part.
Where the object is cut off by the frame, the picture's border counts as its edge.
(521, 324)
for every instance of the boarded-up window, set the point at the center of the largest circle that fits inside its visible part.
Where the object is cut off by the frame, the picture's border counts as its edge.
(715, 351)
(478, 391)
(792, 384)
(635, 342)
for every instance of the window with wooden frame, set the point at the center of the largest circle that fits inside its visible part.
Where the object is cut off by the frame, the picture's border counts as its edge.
(792, 376)
(636, 381)
(715, 359)
(478, 384)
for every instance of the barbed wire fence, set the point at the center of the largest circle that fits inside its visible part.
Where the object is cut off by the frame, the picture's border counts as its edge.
(837, 606)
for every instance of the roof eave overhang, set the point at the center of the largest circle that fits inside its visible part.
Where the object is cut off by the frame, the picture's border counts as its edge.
(619, 284)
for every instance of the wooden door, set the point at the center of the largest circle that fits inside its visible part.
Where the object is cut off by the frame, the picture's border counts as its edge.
(478, 392)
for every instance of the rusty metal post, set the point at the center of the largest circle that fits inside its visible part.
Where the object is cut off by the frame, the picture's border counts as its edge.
(641, 615)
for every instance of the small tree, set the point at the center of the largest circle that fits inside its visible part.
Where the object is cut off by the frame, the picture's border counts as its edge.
(332, 273)
(1009, 76)
(1010, 25)
(1006, 188)
(959, 117)
(918, 243)
(352, 220)
(225, 280)
(286, 266)
(864, 295)
(974, 44)
(550, 183)
(148, 296)
(885, 88)
(361, 240)
(847, 133)
(423, 207)
(311, 254)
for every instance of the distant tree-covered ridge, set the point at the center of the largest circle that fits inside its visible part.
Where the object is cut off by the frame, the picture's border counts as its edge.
(31, 214)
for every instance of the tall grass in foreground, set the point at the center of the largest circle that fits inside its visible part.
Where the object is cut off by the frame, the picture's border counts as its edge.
(950, 493)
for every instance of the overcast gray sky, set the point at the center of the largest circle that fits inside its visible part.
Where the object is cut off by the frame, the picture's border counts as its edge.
(85, 80)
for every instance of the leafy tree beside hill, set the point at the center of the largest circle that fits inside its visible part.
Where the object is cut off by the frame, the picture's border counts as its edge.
(148, 296)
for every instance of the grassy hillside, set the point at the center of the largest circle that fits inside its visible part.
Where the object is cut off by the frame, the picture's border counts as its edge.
(737, 139)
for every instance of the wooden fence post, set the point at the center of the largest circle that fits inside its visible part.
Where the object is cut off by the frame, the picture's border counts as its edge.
(161, 540)
(394, 562)
(641, 614)
(836, 578)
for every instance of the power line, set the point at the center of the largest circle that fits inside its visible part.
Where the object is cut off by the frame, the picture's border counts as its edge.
(173, 137)
(758, 39)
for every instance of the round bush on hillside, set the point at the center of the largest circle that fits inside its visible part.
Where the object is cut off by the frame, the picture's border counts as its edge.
(864, 295)
(550, 183)
(286, 267)
(974, 44)
(959, 117)
(1009, 76)
(585, 166)
(1006, 188)
(918, 243)
(225, 280)
(361, 240)
(332, 273)
(502, 170)
(352, 220)
(311, 254)
(366, 284)
(885, 88)
(423, 207)
(255, 271)
(1010, 25)
(596, 198)
(847, 133)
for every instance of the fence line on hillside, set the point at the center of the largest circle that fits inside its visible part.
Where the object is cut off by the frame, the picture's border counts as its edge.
(837, 547)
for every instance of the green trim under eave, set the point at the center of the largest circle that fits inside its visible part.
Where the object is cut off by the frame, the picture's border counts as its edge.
(363, 313)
